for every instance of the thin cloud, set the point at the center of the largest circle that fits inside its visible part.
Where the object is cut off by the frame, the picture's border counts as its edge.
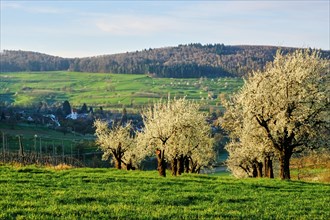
(117, 26)
(47, 10)
(134, 25)
(33, 9)
(10, 5)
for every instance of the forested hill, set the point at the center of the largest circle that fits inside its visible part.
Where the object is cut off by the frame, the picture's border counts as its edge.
(17, 61)
(192, 60)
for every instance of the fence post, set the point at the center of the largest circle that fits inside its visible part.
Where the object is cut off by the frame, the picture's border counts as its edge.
(62, 152)
(21, 149)
(3, 147)
(35, 143)
(54, 158)
(40, 149)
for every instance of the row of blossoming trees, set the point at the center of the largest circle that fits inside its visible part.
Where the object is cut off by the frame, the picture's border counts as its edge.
(174, 131)
(280, 111)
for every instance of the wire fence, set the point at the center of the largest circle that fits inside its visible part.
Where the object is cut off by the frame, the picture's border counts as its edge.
(48, 151)
(34, 158)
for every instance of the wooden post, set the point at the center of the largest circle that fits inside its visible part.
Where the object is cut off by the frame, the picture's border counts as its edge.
(40, 148)
(3, 147)
(21, 149)
(62, 152)
(35, 143)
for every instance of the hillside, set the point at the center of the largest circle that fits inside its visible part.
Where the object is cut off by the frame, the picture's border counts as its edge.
(16, 61)
(183, 61)
(47, 193)
(107, 90)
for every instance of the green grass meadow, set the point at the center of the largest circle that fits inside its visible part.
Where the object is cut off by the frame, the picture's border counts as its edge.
(104, 89)
(84, 193)
(36, 138)
(33, 192)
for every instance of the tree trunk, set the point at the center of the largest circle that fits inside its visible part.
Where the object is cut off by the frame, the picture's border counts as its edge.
(129, 165)
(259, 169)
(254, 169)
(270, 173)
(180, 165)
(118, 163)
(246, 169)
(161, 167)
(186, 164)
(174, 166)
(193, 167)
(3, 147)
(285, 156)
(118, 157)
(268, 167)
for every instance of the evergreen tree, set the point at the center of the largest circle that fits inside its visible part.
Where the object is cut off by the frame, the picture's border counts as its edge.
(66, 108)
(83, 109)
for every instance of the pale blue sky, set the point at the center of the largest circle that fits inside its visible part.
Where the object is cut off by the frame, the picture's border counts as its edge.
(88, 28)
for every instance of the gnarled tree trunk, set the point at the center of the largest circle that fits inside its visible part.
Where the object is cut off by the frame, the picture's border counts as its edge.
(129, 165)
(268, 167)
(118, 164)
(161, 167)
(180, 165)
(254, 169)
(118, 154)
(186, 164)
(174, 166)
(259, 169)
(285, 156)
(194, 166)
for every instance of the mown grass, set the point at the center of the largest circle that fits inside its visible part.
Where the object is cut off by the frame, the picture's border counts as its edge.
(95, 89)
(84, 193)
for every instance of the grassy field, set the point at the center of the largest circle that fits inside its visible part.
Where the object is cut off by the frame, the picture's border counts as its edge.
(45, 193)
(98, 89)
(37, 137)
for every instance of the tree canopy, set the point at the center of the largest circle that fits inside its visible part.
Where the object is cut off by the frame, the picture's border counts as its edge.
(119, 143)
(178, 132)
(282, 110)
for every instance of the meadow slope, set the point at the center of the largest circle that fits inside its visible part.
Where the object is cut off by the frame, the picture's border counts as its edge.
(84, 193)
(107, 90)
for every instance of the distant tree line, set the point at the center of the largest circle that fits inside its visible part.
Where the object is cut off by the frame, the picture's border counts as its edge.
(183, 61)
(16, 61)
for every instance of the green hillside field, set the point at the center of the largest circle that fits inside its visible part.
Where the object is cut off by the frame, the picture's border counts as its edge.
(85, 193)
(107, 90)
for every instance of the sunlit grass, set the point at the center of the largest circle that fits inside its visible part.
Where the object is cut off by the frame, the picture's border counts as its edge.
(42, 193)
(28, 88)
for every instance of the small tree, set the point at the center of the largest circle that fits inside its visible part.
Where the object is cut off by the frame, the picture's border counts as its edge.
(249, 151)
(83, 109)
(117, 142)
(66, 108)
(177, 132)
(159, 128)
(192, 147)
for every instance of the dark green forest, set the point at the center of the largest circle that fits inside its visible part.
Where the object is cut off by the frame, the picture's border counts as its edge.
(183, 61)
